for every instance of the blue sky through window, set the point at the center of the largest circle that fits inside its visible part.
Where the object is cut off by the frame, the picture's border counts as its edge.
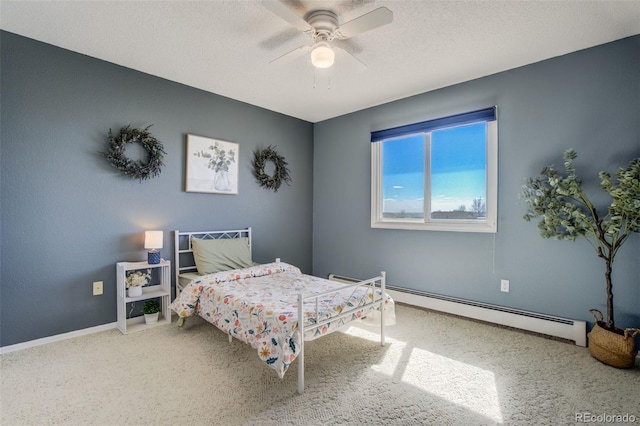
(458, 171)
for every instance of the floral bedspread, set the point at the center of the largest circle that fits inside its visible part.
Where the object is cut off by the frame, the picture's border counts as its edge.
(259, 305)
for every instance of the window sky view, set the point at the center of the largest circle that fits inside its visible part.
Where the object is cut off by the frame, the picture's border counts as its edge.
(458, 170)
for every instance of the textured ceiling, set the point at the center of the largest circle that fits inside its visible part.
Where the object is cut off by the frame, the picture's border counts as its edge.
(225, 47)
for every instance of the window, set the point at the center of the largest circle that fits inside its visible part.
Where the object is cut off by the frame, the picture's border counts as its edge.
(437, 175)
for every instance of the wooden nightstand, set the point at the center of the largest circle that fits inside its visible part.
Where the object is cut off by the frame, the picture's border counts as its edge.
(161, 290)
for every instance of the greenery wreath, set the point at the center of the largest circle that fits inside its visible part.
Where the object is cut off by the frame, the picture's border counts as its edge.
(137, 169)
(281, 173)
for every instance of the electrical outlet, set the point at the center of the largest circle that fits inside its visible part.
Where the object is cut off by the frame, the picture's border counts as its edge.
(97, 288)
(504, 286)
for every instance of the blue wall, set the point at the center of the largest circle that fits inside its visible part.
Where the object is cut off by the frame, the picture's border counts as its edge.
(67, 216)
(588, 100)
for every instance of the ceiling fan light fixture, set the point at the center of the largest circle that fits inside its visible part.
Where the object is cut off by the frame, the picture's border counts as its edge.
(322, 55)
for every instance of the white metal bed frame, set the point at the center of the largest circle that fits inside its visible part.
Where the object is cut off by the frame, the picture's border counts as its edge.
(184, 262)
(183, 250)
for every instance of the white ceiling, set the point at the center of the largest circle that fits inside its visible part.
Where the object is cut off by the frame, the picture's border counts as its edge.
(224, 47)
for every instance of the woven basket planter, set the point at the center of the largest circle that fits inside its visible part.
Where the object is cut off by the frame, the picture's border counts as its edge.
(614, 348)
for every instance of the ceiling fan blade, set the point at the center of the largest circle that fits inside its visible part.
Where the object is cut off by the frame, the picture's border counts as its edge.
(281, 10)
(374, 19)
(291, 55)
(350, 60)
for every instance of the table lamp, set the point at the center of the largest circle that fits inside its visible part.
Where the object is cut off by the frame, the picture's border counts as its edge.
(153, 241)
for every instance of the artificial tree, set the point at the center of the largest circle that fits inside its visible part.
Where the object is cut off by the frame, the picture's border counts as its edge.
(566, 212)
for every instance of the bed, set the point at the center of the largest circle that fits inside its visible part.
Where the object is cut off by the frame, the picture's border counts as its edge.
(260, 304)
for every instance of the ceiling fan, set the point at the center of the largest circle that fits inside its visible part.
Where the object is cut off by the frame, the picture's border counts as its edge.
(322, 26)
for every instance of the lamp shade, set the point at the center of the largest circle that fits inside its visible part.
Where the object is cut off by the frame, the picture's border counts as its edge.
(322, 55)
(153, 239)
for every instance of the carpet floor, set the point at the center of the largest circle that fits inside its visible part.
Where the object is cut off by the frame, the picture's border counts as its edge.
(435, 369)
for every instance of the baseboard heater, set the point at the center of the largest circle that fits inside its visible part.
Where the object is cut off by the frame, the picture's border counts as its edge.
(538, 323)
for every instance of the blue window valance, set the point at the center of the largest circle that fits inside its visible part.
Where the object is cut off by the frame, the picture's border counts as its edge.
(486, 114)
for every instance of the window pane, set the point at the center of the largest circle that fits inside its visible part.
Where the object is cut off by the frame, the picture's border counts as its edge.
(403, 178)
(458, 172)
(444, 178)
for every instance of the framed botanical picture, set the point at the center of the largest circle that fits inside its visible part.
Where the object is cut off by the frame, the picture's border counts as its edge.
(212, 165)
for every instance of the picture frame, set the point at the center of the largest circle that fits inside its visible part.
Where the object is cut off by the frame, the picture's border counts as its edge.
(211, 165)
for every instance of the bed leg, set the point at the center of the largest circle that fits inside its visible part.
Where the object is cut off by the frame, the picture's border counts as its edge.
(301, 371)
(301, 344)
(180, 322)
(383, 279)
(230, 338)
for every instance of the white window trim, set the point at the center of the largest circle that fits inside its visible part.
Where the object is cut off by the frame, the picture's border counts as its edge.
(488, 225)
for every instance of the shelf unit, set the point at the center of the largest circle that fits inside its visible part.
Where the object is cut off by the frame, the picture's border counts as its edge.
(161, 290)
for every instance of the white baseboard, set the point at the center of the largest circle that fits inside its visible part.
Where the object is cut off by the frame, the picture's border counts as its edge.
(56, 338)
(539, 323)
